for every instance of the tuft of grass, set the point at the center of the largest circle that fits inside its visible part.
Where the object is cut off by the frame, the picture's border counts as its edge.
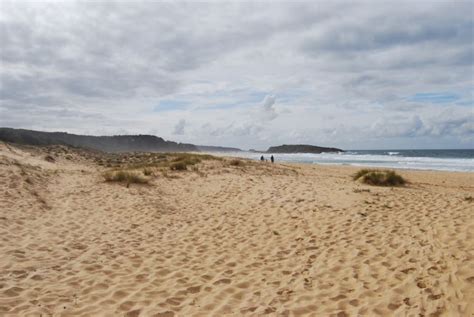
(169, 176)
(236, 162)
(124, 177)
(181, 161)
(147, 172)
(188, 159)
(379, 177)
(357, 190)
(178, 166)
(50, 159)
(469, 199)
(361, 173)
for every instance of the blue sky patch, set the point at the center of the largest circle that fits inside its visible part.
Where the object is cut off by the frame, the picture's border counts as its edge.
(433, 97)
(170, 105)
(465, 103)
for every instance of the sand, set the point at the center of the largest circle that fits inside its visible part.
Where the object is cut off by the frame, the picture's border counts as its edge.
(258, 239)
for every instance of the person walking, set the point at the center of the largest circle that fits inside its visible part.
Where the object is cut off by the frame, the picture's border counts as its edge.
(272, 159)
(262, 158)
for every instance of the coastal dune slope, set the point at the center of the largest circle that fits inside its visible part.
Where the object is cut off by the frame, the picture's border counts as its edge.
(227, 239)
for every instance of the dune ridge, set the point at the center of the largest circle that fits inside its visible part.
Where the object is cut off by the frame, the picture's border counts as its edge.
(229, 240)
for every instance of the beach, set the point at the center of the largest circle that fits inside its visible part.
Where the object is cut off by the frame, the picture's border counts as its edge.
(230, 239)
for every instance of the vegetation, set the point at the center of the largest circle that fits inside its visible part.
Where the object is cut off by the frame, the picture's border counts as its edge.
(361, 173)
(379, 177)
(181, 161)
(357, 190)
(139, 167)
(49, 158)
(153, 161)
(127, 177)
(178, 166)
(236, 162)
(147, 171)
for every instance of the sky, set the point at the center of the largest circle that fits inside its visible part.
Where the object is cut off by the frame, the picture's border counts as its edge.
(348, 74)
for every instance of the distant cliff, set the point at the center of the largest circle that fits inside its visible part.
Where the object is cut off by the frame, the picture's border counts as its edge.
(117, 143)
(301, 148)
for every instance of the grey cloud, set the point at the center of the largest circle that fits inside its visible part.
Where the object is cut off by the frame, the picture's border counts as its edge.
(452, 124)
(390, 24)
(268, 110)
(398, 127)
(233, 129)
(179, 127)
(441, 126)
(373, 35)
(84, 61)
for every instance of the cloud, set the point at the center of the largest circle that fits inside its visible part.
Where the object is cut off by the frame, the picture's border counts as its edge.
(453, 124)
(268, 110)
(179, 127)
(398, 127)
(379, 70)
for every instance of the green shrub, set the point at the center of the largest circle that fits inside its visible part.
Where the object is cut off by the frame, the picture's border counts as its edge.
(379, 177)
(124, 177)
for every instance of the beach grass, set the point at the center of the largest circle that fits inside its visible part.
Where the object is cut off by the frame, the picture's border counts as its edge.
(379, 177)
(122, 176)
(147, 171)
(236, 162)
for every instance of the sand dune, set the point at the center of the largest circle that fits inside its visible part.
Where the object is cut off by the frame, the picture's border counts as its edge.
(258, 239)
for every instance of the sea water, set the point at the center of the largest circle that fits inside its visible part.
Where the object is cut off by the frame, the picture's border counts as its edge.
(441, 160)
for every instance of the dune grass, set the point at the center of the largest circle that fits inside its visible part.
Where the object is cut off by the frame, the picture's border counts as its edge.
(179, 166)
(122, 176)
(236, 162)
(181, 161)
(379, 177)
(139, 168)
(147, 171)
(144, 160)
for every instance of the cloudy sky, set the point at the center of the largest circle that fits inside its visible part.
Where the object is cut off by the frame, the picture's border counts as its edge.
(376, 74)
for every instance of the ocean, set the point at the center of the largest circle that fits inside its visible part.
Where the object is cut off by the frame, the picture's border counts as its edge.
(439, 160)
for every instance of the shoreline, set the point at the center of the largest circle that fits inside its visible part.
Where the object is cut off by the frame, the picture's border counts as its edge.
(375, 165)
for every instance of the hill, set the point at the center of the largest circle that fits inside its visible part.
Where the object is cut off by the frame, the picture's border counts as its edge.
(116, 143)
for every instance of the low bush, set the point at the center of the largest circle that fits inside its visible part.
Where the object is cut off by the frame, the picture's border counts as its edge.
(379, 177)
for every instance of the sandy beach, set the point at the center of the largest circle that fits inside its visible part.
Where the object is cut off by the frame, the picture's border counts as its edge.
(222, 240)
